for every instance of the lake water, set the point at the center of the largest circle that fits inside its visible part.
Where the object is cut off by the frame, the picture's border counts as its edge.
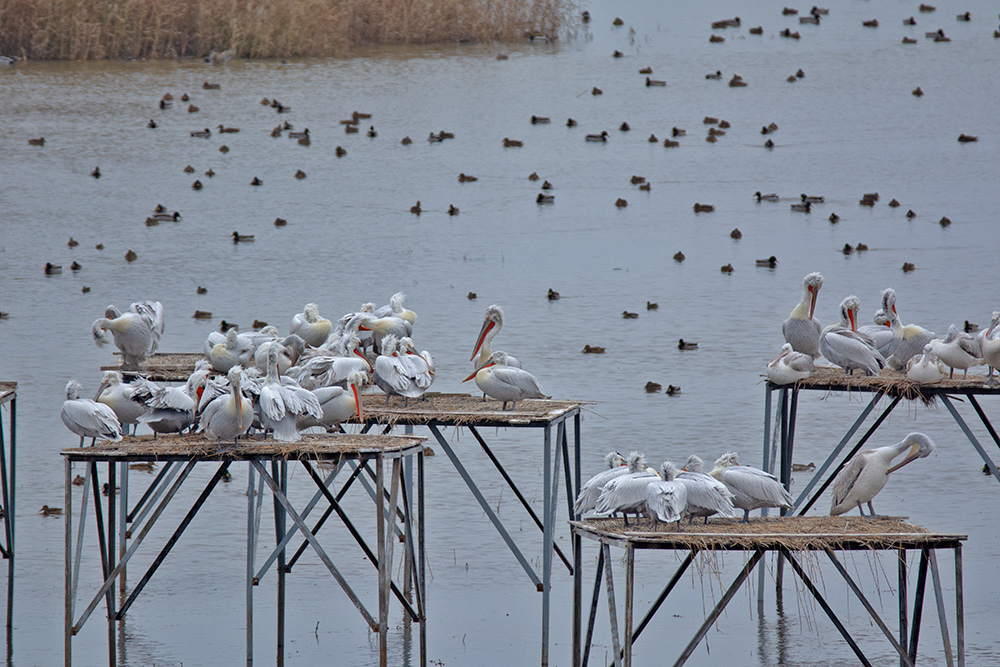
(849, 127)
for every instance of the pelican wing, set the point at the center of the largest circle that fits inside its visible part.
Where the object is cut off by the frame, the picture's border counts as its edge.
(666, 500)
(803, 334)
(759, 485)
(848, 350)
(390, 371)
(847, 477)
(91, 419)
(272, 403)
(591, 491)
(706, 492)
(151, 313)
(524, 381)
(100, 335)
(626, 493)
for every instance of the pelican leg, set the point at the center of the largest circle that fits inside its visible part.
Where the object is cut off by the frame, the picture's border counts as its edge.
(873, 515)
(861, 510)
(746, 516)
(656, 522)
(951, 375)
(81, 440)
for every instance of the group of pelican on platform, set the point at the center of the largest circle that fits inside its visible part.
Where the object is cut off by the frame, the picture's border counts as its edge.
(911, 349)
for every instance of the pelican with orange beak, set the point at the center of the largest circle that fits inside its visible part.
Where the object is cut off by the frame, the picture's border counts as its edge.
(228, 416)
(492, 324)
(501, 382)
(866, 474)
(338, 404)
(842, 345)
(801, 329)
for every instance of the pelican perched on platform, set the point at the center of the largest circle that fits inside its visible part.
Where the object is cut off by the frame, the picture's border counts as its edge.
(87, 418)
(591, 490)
(910, 339)
(282, 403)
(312, 328)
(288, 349)
(492, 324)
(789, 366)
(842, 345)
(868, 471)
(228, 416)
(990, 345)
(705, 494)
(337, 403)
(957, 350)
(627, 493)
(397, 376)
(330, 370)
(118, 396)
(666, 499)
(883, 337)
(926, 368)
(381, 327)
(499, 381)
(170, 409)
(136, 332)
(801, 329)
(395, 309)
(421, 363)
(225, 352)
(751, 488)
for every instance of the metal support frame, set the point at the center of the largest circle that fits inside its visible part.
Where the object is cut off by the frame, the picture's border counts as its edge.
(164, 489)
(8, 485)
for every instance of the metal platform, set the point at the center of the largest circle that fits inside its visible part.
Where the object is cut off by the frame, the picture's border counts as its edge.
(8, 471)
(471, 412)
(785, 536)
(162, 367)
(182, 453)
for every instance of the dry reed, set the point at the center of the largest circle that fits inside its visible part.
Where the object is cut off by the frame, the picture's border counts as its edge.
(132, 29)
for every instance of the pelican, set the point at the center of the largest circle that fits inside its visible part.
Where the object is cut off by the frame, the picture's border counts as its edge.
(591, 490)
(881, 333)
(421, 363)
(118, 396)
(171, 409)
(801, 329)
(384, 326)
(666, 500)
(789, 366)
(868, 471)
(312, 328)
(395, 309)
(289, 350)
(910, 339)
(842, 345)
(705, 494)
(136, 332)
(87, 418)
(337, 404)
(230, 415)
(330, 370)
(957, 350)
(396, 376)
(751, 488)
(492, 324)
(229, 351)
(990, 345)
(926, 368)
(627, 493)
(500, 381)
(282, 403)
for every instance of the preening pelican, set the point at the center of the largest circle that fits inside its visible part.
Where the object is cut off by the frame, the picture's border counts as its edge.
(926, 368)
(666, 499)
(136, 332)
(789, 366)
(338, 404)
(289, 351)
(957, 350)
(226, 352)
(705, 494)
(842, 345)
(990, 345)
(228, 416)
(396, 376)
(282, 403)
(171, 409)
(384, 326)
(751, 488)
(591, 490)
(331, 370)
(503, 383)
(87, 418)
(801, 329)
(312, 328)
(395, 309)
(883, 337)
(421, 363)
(910, 339)
(866, 474)
(627, 493)
(492, 324)
(118, 396)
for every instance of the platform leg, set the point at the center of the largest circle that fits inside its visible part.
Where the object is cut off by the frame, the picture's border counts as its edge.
(68, 574)
(959, 607)
(949, 658)
(383, 567)
(251, 557)
(629, 600)
(616, 644)
(901, 565)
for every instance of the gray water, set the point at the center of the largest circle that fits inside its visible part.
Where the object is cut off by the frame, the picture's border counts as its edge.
(850, 126)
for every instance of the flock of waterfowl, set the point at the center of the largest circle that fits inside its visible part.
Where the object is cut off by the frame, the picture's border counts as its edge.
(313, 377)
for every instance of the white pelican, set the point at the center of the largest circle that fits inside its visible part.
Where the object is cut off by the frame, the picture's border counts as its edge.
(881, 333)
(289, 351)
(312, 328)
(136, 332)
(910, 339)
(396, 376)
(384, 326)
(330, 370)
(666, 499)
(990, 345)
(801, 329)
(751, 488)
(497, 380)
(338, 404)
(282, 403)
(118, 396)
(87, 418)
(395, 309)
(926, 368)
(228, 416)
(627, 493)
(958, 350)
(421, 363)
(865, 474)
(171, 409)
(225, 352)
(789, 366)
(705, 494)
(586, 500)
(842, 345)
(492, 324)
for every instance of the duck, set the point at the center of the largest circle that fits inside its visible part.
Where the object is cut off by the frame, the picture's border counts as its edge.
(624, 127)
(728, 268)
(716, 39)
(406, 141)
(512, 143)
(340, 151)
(415, 209)
(804, 207)
(768, 144)
(653, 387)
(654, 82)
(672, 390)
(967, 138)
(703, 208)
(677, 132)
(50, 511)
(533, 176)
(371, 132)
(204, 134)
(40, 141)
(773, 196)
(592, 349)
(571, 123)
(537, 120)
(873, 23)
(716, 75)
(452, 209)
(737, 234)
(679, 256)
(210, 173)
(546, 185)
(626, 315)
(686, 345)
(737, 82)
(758, 30)
(52, 269)
(670, 143)
(256, 181)
(242, 238)
(228, 130)
(545, 199)
(467, 178)
(152, 124)
(770, 262)
(223, 149)
(96, 173)
(598, 138)
(621, 202)
(196, 185)
(72, 243)
(596, 91)
(299, 174)
(650, 305)
(909, 266)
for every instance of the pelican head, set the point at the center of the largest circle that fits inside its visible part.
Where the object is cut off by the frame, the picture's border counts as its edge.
(614, 460)
(889, 300)
(920, 447)
(849, 312)
(73, 389)
(311, 311)
(389, 345)
(235, 376)
(232, 338)
(669, 470)
(727, 460)
(498, 358)
(270, 331)
(812, 284)
(356, 380)
(786, 349)
(694, 464)
(882, 319)
(636, 461)
(493, 320)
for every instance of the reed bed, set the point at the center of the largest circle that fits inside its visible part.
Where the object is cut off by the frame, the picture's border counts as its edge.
(133, 29)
